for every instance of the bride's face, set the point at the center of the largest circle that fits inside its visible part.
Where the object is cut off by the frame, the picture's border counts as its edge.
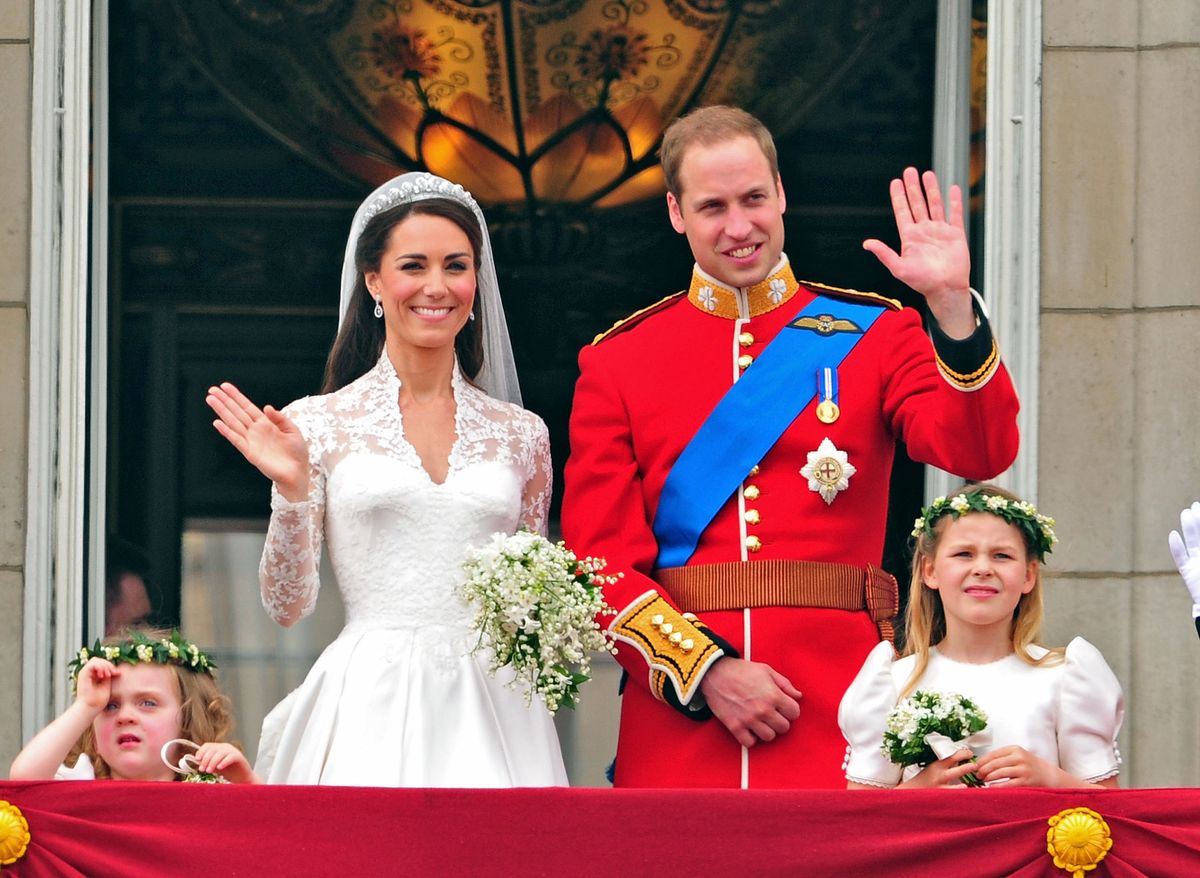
(425, 281)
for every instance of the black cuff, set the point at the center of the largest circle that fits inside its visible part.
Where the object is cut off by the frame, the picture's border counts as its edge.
(1197, 621)
(966, 363)
(703, 712)
(720, 641)
(699, 714)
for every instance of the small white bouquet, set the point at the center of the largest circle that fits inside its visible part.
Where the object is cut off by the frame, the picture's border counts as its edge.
(536, 606)
(927, 726)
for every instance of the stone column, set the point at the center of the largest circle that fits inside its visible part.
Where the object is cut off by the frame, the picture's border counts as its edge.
(15, 97)
(1120, 354)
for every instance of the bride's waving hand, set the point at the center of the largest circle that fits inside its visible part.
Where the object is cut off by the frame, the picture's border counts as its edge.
(265, 437)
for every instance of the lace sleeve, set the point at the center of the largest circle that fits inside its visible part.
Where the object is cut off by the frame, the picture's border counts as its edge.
(535, 497)
(289, 573)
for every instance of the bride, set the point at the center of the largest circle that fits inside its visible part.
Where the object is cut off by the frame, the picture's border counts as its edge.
(416, 450)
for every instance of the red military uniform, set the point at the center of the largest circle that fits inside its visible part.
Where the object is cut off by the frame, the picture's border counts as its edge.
(644, 389)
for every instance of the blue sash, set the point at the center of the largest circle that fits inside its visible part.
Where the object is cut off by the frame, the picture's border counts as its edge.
(750, 418)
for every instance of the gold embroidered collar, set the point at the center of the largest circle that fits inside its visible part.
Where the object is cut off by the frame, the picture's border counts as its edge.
(713, 297)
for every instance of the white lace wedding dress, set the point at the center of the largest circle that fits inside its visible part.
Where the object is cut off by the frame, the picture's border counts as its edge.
(398, 699)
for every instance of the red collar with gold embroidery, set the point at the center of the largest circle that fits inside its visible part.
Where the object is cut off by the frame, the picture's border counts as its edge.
(721, 300)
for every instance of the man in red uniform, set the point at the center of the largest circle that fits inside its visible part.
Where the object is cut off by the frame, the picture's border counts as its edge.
(731, 448)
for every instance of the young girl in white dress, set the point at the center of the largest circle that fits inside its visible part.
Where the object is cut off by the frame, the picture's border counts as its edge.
(134, 696)
(973, 618)
(417, 451)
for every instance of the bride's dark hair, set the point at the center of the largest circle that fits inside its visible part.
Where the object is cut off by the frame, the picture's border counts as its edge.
(359, 342)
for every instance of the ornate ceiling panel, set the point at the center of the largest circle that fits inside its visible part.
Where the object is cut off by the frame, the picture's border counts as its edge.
(526, 102)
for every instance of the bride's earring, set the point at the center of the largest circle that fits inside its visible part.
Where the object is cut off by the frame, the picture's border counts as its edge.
(378, 308)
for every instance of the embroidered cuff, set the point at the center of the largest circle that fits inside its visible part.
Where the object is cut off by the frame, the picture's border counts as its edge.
(280, 503)
(676, 646)
(967, 363)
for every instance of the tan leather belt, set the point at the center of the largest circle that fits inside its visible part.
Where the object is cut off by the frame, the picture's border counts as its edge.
(700, 588)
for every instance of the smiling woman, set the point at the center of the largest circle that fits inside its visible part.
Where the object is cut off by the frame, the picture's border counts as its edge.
(403, 465)
(415, 253)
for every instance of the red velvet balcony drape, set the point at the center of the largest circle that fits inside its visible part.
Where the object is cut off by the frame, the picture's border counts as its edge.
(110, 828)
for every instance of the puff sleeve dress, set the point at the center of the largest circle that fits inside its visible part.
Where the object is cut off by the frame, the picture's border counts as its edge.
(1068, 713)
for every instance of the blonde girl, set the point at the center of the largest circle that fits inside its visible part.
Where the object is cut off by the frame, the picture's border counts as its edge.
(972, 625)
(134, 695)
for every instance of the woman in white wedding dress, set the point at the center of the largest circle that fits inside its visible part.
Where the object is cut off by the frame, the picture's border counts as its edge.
(416, 451)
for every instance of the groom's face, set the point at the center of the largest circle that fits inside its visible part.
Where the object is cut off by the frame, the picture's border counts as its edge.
(731, 207)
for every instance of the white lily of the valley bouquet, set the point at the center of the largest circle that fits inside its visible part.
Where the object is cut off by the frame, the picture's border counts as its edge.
(536, 606)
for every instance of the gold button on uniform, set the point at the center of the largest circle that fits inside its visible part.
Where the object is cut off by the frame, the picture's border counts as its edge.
(745, 339)
(753, 543)
(744, 361)
(752, 516)
(755, 470)
(750, 492)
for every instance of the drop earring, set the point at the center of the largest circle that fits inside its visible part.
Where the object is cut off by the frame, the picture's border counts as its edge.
(378, 308)
(471, 316)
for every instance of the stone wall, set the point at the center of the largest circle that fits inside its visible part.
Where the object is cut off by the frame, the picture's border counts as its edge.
(15, 82)
(1120, 353)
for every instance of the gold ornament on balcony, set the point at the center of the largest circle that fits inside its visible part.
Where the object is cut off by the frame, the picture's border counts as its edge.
(1078, 839)
(14, 833)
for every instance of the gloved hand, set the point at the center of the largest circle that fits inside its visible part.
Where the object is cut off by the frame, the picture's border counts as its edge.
(1186, 552)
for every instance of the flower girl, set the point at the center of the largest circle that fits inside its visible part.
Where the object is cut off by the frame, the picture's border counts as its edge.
(138, 699)
(974, 613)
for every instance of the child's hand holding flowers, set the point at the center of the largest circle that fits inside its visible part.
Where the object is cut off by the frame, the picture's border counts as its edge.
(935, 730)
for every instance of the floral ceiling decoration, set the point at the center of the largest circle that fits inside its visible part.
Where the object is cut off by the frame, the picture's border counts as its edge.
(531, 104)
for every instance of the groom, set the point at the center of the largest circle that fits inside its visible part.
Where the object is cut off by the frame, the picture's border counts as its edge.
(731, 448)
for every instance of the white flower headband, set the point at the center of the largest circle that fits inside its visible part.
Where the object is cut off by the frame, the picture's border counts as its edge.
(1037, 528)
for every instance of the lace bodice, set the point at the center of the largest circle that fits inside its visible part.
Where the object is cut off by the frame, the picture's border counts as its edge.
(396, 538)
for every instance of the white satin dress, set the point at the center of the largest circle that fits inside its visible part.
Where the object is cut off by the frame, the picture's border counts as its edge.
(399, 699)
(1067, 713)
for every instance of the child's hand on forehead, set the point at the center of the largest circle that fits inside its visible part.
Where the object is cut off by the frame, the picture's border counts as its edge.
(93, 687)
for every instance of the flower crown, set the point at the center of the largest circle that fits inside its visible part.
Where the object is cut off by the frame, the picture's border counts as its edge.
(139, 648)
(1037, 528)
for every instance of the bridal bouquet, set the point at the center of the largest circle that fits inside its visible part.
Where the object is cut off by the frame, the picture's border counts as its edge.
(925, 719)
(536, 605)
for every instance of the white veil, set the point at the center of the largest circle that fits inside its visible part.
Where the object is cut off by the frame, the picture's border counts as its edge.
(498, 377)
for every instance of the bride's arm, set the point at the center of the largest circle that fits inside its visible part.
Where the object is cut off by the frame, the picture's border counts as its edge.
(289, 573)
(535, 497)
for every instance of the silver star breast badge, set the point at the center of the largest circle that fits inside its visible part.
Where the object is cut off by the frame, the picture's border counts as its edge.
(828, 471)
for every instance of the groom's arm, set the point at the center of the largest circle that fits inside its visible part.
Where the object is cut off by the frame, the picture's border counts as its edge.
(604, 515)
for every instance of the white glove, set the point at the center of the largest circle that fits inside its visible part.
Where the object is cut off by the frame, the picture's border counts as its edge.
(1186, 552)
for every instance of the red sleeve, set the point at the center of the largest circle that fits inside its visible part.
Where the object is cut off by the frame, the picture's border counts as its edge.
(958, 411)
(605, 514)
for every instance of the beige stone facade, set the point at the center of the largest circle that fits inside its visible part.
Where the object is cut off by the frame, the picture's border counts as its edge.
(15, 77)
(1120, 334)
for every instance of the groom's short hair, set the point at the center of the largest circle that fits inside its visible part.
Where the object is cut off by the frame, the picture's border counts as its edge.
(706, 126)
